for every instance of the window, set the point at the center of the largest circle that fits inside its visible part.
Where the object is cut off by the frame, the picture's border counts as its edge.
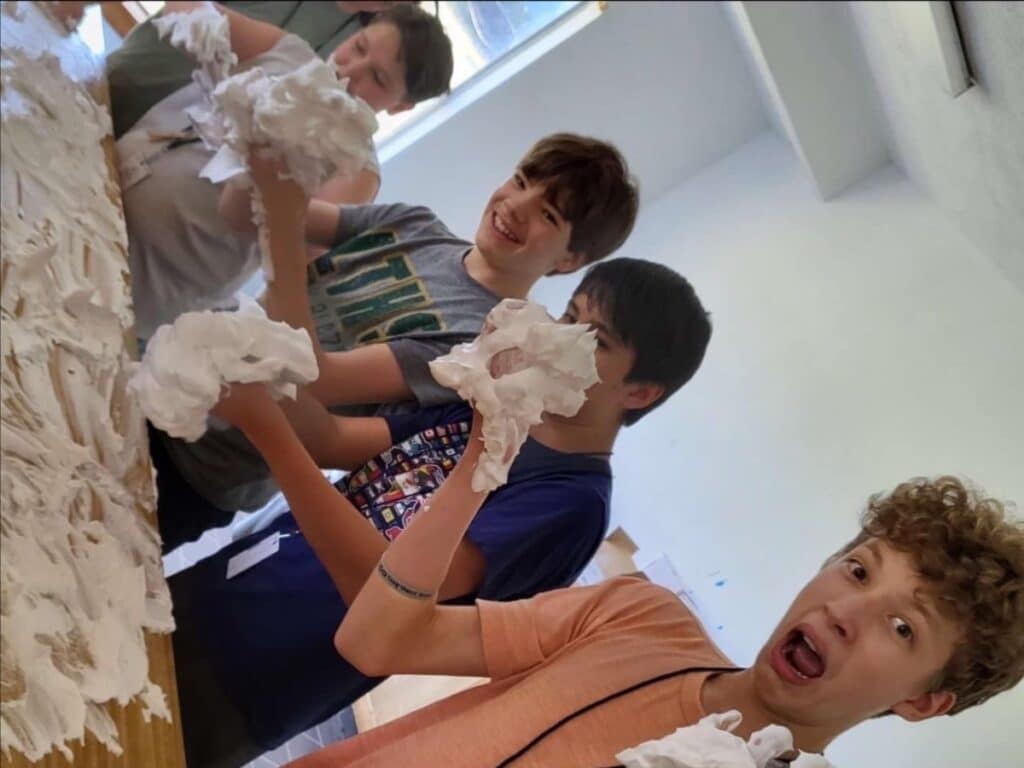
(483, 33)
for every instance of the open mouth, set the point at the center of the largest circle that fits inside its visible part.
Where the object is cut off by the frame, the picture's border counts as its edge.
(503, 230)
(797, 658)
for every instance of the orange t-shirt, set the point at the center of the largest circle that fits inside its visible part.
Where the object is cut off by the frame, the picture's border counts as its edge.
(548, 657)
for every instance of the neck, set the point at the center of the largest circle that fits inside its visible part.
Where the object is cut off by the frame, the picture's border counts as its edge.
(574, 435)
(735, 690)
(503, 284)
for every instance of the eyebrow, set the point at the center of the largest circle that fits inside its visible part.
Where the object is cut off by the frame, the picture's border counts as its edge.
(597, 325)
(918, 595)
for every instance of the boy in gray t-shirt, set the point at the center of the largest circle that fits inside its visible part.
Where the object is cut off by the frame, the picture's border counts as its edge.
(395, 290)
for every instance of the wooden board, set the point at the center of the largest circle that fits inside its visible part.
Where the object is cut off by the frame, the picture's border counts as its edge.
(158, 743)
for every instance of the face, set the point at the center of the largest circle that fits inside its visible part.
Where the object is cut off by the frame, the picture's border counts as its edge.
(371, 60)
(863, 637)
(523, 234)
(612, 394)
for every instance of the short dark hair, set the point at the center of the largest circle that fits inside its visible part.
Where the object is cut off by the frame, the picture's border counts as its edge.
(588, 181)
(656, 313)
(426, 50)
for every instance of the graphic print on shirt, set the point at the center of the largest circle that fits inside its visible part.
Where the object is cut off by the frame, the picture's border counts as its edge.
(381, 301)
(392, 488)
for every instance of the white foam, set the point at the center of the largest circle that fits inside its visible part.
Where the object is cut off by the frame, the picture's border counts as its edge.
(81, 575)
(550, 367)
(205, 34)
(188, 363)
(710, 744)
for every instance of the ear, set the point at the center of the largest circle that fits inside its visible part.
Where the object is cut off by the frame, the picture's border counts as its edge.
(640, 394)
(569, 262)
(402, 106)
(925, 706)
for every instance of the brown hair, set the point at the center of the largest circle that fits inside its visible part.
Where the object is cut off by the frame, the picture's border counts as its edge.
(973, 553)
(588, 181)
(425, 49)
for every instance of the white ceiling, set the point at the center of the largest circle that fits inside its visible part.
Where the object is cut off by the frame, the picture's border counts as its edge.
(665, 81)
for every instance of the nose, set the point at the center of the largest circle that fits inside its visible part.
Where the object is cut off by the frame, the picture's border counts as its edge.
(842, 616)
(522, 201)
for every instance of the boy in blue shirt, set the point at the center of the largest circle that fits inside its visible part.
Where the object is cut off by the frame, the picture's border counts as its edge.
(254, 653)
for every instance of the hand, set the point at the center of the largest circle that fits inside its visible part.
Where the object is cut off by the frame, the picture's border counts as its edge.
(242, 405)
(280, 195)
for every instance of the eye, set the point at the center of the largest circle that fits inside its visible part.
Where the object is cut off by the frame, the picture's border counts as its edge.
(567, 318)
(904, 630)
(857, 570)
(519, 181)
(551, 217)
(378, 79)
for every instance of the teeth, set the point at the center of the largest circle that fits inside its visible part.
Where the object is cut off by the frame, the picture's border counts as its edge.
(810, 644)
(500, 226)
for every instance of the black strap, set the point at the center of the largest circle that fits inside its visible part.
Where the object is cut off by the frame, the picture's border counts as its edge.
(643, 683)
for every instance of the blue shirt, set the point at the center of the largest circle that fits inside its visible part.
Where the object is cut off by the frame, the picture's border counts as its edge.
(257, 650)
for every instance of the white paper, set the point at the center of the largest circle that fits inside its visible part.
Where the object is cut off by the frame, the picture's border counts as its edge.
(255, 554)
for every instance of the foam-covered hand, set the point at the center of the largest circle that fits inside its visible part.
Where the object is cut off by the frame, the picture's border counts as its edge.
(242, 405)
(281, 195)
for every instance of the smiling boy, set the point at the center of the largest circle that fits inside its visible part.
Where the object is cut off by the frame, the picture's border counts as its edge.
(396, 289)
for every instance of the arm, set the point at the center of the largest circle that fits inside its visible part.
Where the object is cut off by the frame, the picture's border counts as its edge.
(336, 442)
(348, 546)
(370, 374)
(322, 216)
(385, 632)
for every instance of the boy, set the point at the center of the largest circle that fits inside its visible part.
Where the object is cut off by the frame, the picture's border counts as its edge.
(146, 68)
(396, 290)
(922, 614)
(253, 653)
(183, 257)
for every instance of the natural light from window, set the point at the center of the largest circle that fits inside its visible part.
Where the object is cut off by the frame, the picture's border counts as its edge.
(481, 34)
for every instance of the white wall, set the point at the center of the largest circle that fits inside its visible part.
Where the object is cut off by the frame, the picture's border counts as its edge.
(856, 343)
(665, 81)
(966, 153)
(815, 85)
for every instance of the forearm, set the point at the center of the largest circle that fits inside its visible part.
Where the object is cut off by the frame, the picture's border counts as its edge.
(420, 559)
(348, 546)
(287, 298)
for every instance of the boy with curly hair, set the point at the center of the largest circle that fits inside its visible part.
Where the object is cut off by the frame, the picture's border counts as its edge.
(921, 615)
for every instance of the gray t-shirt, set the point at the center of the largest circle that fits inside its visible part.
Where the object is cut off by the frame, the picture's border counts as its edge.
(395, 276)
(183, 256)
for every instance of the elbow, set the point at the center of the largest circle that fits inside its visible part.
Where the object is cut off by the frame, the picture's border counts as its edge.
(365, 657)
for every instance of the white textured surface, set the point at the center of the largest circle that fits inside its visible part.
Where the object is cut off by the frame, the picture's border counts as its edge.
(81, 574)
(523, 366)
(967, 152)
(188, 364)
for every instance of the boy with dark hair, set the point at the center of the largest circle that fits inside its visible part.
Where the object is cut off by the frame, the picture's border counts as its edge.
(146, 68)
(921, 615)
(535, 533)
(396, 290)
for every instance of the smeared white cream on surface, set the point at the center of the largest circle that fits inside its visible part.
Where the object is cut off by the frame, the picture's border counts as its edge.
(81, 577)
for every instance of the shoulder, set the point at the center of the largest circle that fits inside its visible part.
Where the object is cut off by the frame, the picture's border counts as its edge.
(642, 600)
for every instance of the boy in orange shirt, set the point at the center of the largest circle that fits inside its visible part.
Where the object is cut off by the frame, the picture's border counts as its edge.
(922, 614)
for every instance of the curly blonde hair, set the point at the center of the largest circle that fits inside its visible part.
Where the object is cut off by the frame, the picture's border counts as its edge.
(973, 553)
